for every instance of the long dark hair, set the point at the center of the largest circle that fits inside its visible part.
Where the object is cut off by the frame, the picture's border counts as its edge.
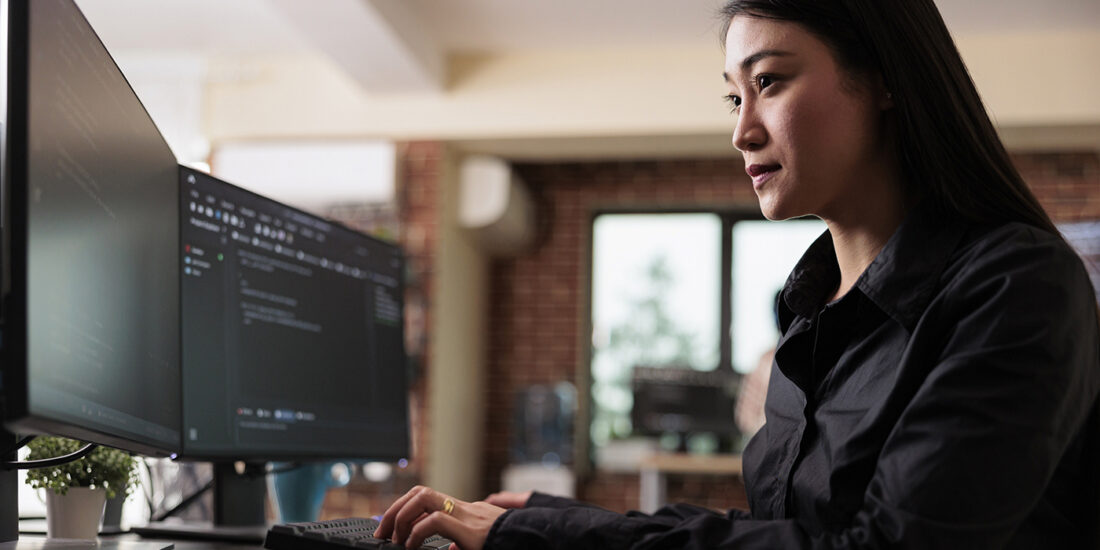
(947, 148)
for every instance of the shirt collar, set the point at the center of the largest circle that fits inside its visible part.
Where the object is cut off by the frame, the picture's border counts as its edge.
(811, 281)
(900, 280)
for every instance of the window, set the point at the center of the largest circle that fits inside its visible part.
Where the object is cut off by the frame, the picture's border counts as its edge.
(682, 290)
(655, 302)
(764, 253)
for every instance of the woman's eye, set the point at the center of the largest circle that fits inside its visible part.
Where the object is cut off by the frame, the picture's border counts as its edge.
(734, 102)
(763, 81)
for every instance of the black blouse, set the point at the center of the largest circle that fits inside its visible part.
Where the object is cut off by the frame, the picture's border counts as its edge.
(949, 400)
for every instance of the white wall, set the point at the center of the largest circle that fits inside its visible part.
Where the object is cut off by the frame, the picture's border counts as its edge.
(1028, 80)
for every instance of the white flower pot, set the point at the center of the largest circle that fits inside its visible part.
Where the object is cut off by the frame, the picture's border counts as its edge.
(76, 514)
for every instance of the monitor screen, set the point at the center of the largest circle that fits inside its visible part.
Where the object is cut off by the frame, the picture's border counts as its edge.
(292, 332)
(683, 401)
(91, 285)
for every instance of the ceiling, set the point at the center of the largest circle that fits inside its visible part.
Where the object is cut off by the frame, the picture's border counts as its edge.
(264, 26)
(406, 45)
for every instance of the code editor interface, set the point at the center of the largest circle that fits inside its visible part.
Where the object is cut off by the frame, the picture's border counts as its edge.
(292, 329)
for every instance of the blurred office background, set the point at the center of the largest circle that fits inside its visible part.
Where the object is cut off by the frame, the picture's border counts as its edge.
(561, 177)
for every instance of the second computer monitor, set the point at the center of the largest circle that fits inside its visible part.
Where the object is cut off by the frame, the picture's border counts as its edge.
(292, 332)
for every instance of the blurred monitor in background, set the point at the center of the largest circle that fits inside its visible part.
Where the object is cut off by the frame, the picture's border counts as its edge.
(694, 409)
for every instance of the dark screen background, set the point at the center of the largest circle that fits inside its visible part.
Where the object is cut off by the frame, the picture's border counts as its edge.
(292, 332)
(102, 272)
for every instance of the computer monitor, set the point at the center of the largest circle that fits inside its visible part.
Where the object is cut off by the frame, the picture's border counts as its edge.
(293, 336)
(91, 294)
(683, 401)
(90, 311)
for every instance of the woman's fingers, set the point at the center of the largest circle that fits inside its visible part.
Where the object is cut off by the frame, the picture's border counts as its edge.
(419, 514)
(425, 501)
(385, 525)
(388, 526)
(468, 525)
(436, 523)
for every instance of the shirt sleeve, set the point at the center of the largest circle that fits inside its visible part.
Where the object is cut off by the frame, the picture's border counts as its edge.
(1011, 379)
(543, 500)
(588, 526)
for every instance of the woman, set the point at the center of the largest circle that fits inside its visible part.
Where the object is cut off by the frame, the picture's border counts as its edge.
(936, 383)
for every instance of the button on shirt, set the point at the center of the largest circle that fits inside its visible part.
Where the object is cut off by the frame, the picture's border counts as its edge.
(949, 400)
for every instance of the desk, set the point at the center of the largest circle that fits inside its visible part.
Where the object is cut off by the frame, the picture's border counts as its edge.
(121, 542)
(185, 544)
(651, 490)
(32, 536)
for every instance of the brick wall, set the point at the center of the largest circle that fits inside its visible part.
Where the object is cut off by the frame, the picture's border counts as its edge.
(537, 302)
(420, 167)
(1067, 184)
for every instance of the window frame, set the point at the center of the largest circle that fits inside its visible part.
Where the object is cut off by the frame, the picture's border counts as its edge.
(728, 216)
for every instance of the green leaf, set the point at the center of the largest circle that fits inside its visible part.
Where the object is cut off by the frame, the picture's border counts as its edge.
(104, 467)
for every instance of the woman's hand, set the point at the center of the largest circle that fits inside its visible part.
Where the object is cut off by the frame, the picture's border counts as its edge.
(420, 514)
(508, 499)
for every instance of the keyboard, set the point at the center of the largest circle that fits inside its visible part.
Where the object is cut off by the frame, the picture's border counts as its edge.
(338, 534)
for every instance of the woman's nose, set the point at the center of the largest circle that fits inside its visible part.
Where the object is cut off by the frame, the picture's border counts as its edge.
(748, 133)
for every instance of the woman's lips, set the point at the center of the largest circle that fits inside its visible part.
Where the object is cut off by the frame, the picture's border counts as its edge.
(761, 173)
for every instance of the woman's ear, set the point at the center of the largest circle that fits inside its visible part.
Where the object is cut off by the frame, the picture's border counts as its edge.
(885, 97)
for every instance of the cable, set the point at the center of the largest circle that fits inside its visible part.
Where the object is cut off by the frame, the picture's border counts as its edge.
(47, 462)
(18, 445)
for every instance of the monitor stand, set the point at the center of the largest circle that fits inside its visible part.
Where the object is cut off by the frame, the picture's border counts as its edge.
(9, 518)
(9, 492)
(239, 509)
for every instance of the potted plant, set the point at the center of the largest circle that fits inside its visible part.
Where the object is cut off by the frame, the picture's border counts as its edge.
(78, 490)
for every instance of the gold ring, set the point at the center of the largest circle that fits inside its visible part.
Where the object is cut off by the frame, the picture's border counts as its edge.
(448, 506)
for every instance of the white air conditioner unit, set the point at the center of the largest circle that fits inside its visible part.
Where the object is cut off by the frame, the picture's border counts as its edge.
(495, 206)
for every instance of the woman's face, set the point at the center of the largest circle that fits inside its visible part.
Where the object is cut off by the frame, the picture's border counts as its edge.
(811, 135)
